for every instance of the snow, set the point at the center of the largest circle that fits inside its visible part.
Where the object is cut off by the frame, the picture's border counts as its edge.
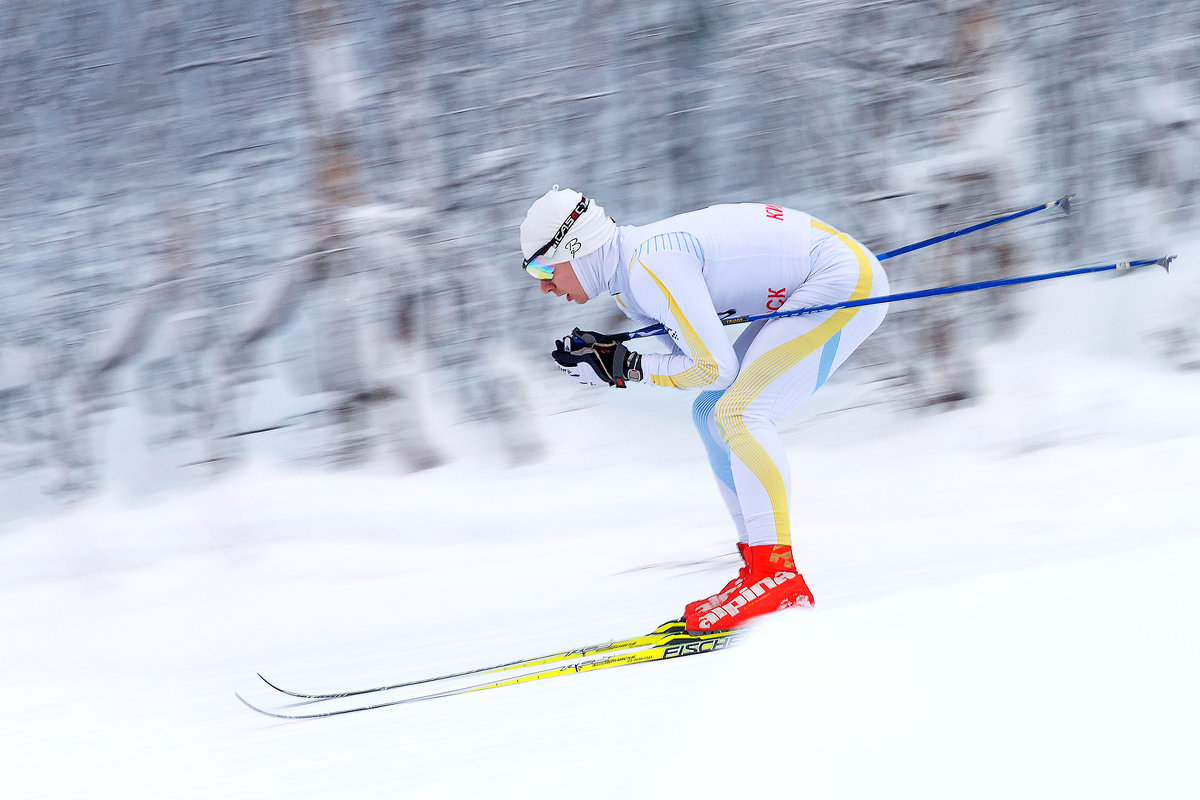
(1006, 606)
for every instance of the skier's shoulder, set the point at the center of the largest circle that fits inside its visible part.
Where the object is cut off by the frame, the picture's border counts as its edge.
(680, 234)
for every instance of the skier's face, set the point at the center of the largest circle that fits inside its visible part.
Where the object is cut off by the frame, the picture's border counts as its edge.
(564, 283)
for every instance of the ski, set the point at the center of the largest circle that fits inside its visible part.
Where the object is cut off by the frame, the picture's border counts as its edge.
(657, 636)
(669, 646)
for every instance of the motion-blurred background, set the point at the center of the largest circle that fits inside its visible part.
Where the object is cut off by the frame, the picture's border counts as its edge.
(289, 226)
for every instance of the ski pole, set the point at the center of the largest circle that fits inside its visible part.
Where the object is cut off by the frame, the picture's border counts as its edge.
(1064, 201)
(1164, 262)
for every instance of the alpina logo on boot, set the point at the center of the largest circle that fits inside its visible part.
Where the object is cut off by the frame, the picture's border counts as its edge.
(746, 595)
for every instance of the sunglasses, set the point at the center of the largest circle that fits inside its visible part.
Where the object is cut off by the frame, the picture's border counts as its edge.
(540, 267)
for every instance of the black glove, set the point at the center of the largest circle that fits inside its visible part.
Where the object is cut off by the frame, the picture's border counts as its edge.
(595, 359)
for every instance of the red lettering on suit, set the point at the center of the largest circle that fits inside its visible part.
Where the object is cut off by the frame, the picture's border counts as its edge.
(775, 212)
(775, 298)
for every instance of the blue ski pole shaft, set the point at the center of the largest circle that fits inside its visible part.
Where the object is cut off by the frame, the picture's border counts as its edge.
(1165, 262)
(1064, 201)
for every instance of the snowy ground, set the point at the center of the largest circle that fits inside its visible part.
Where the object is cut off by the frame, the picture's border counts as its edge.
(1007, 606)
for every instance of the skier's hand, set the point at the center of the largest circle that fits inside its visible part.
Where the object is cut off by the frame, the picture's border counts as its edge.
(594, 359)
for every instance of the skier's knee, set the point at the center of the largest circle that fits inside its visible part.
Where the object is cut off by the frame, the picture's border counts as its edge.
(734, 419)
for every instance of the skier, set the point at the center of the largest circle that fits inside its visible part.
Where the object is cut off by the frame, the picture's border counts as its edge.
(686, 272)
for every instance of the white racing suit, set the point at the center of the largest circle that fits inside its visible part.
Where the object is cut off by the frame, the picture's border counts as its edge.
(685, 271)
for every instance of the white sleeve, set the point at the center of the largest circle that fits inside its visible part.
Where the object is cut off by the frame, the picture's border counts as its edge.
(669, 286)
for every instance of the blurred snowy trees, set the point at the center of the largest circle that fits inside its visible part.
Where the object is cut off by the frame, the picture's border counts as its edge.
(223, 215)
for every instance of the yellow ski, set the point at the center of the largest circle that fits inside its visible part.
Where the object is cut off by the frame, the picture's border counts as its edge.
(667, 646)
(657, 636)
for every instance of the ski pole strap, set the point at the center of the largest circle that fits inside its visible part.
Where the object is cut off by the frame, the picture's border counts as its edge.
(1164, 262)
(1064, 201)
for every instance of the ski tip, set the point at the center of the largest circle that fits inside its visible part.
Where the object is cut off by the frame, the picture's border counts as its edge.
(253, 707)
(276, 687)
(274, 714)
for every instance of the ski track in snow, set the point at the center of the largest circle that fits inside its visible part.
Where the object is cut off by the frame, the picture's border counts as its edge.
(1006, 606)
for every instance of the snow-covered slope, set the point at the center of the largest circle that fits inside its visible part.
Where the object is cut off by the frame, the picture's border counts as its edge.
(1006, 600)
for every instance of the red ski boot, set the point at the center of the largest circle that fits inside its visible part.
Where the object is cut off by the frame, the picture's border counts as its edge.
(771, 583)
(707, 603)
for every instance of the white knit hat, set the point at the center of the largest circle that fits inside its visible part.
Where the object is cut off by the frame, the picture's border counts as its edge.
(553, 217)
